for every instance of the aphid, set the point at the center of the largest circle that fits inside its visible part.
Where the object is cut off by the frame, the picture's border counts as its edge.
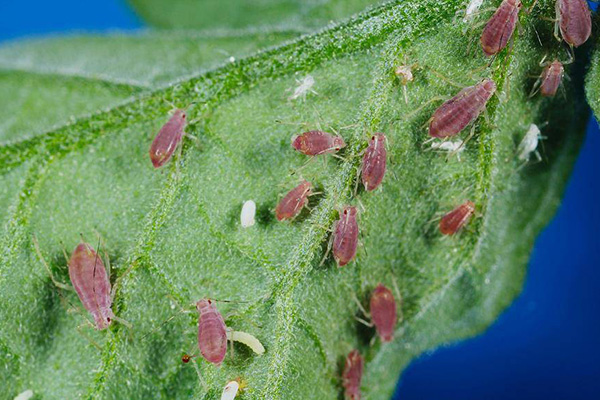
(212, 332)
(383, 312)
(500, 27)
(457, 218)
(293, 202)
(230, 390)
(345, 236)
(529, 143)
(248, 214)
(458, 112)
(247, 339)
(352, 375)
(314, 143)
(304, 87)
(574, 20)
(90, 280)
(404, 73)
(186, 358)
(26, 395)
(374, 162)
(551, 78)
(167, 139)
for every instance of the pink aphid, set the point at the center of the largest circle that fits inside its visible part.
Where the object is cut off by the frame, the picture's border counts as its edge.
(345, 236)
(551, 78)
(457, 218)
(90, 280)
(574, 20)
(352, 375)
(383, 312)
(500, 27)
(458, 112)
(168, 138)
(314, 143)
(374, 162)
(212, 332)
(293, 202)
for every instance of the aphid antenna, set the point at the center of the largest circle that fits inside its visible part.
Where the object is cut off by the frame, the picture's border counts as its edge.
(200, 378)
(399, 299)
(422, 106)
(43, 260)
(570, 54)
(85, 335)
(445, 78)
(329, 245)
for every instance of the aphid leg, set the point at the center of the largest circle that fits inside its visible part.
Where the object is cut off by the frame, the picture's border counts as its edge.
(200, 378)
(399, 299)
(118, 281)
(329, 245)
(56, 282)
(123, 322)
(464, 142)
(85, 335)
(446, 79)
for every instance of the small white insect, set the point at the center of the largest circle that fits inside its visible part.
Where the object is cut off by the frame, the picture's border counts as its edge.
(472, 8)
(247, 339)
(404, 73)
(449, 146)
(248, 213)
(304, 86)
(26, 395)
(230, 390)
(530, 143)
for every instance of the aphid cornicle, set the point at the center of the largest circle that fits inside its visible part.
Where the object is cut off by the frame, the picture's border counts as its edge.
(168, 138)
(458, 112)
(374, 162)
(352, 375)
(293, 202)
(383, 312)
(314, 143)
(90, 280)
(212, 332)
(457, 218)
(551, 78)
(345, 236)
(500, 27)
(574, 20)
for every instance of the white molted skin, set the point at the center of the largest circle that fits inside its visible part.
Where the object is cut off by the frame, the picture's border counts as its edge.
(529, 142)
(230, 390)
(472, 9)
(247, 339)
(304, 86)
(248, 214)
(26, 395)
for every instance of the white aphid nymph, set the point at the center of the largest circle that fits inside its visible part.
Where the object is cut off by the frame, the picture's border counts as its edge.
(248, 214)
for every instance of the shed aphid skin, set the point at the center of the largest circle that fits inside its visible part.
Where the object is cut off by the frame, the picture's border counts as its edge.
(248, 214)
(574, 21)
(293, 202)
(230, 390)
(383, 312)
(212, 332)
(452, 147)
(345, 236)
(314, 143)
(26, 395)
(352, 375)
(247, 339)
(500, 27)
(530, 143)
(472, 9)
(458, 112)
(457, 218)
(374, 162)
(304, 87)
(168, 139)
(404, 73)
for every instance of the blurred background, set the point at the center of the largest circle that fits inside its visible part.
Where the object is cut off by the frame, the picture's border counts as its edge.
(545, 346)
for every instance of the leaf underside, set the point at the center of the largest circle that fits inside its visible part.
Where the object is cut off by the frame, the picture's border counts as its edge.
(178, 228)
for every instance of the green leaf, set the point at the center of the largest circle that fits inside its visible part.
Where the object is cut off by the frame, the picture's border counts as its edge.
(177, 232)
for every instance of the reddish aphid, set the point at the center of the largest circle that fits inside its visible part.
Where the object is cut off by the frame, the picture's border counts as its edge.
(500, 27)
(90, 280)
(293, 202)
(551, 78)
(352, 375)
(314, 143)
(458, 112)
(457, 218)
(383, 312)
(374, 162)
(212, 333)
(168, 138)
(574, 20)
(345, 236)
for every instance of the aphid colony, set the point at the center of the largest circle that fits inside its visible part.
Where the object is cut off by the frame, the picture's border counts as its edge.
(89, 276)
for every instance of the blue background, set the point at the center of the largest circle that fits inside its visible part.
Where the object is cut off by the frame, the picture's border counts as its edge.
(545, 346)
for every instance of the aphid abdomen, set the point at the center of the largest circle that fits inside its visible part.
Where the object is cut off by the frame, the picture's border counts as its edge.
(352, 375)
(345, 237)
(458, 112)
(314, 143)
(575, 21)
(212, 334)
(293, 202)
(374, 162)
(500, 27)
(383, 312)
(551, 78)
(90, 280)
(457, 218)
(167, 139)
